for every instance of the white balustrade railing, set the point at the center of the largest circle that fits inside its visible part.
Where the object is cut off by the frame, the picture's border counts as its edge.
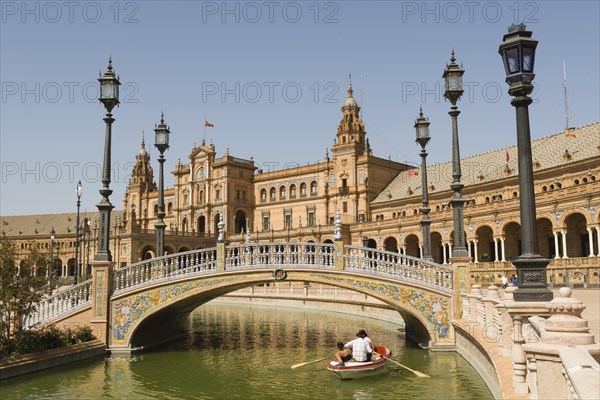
(143, 273)
(256, 255)
(398, 266)
(61, 303)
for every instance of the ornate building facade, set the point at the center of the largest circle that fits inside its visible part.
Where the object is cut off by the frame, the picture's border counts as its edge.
(378, 200)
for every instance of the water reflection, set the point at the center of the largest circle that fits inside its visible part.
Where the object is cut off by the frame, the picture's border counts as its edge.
(244, 352)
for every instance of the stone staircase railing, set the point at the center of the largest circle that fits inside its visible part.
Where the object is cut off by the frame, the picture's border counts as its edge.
(61, 303)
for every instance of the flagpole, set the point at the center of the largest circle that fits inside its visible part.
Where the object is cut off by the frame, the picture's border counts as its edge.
(204, 138)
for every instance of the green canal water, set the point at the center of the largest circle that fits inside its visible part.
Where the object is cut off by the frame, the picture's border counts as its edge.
(245, 352)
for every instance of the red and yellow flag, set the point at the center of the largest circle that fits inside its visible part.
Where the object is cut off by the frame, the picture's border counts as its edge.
(206, 123)
(569, 133)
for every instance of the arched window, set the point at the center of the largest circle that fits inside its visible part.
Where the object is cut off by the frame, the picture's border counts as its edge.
(170, 209)
(292, 191)
(273, 194)
(282, 192)
(155, 209)
(303, 189)
(313, 188)
(263, 195)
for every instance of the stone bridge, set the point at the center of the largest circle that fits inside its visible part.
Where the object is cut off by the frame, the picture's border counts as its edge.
(148, 302)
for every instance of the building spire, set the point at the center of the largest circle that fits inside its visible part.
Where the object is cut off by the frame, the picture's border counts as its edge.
(350, 91)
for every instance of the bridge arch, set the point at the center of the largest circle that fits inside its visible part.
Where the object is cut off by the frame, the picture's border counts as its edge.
(153, 315)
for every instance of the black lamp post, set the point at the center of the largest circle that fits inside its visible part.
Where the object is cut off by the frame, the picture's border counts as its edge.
(161, 141)
(453, 91)
(52, 237)
(88, 235)
(109, 96)
(422, 130)
(518, 54)
(77, 253)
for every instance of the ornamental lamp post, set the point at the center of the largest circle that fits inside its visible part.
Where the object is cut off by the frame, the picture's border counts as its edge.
(109, 96)
(161, 142)
(518, 55)
(79, 191)
(52, 237)
(422, 131)
(453, 90)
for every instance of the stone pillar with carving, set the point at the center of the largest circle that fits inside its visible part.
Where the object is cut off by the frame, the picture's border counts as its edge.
(101, 292)
(221, 245)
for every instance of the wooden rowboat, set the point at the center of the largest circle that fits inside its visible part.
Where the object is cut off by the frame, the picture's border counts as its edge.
(355, 370)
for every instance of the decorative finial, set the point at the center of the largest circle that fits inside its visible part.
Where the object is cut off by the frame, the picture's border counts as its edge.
(162, 118)
(226, 151)
(248, 236)
(220, 225)
(143, 141)
(421, 111)
(452, 59)
(337, 232)
(110, 63)
(517, 27)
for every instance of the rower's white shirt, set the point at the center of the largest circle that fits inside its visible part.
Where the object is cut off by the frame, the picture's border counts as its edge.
(360, 347)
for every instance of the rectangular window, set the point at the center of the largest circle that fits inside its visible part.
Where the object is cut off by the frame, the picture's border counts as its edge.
(237, 195)
(185, 200)
(218, 194)
(345, 207)
(266, 221)
(287, 218)
(311, 219)
(244, 195)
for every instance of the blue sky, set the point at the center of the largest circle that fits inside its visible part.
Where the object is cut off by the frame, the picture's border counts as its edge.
(271, 77)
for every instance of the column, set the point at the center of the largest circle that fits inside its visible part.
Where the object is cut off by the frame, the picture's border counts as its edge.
(598, 238)
(591, 240)
(470, 250)
(564, 242)
(420, 251)
(475, 255)
(503, 248)
(444, 252)
(557, 249)
(403, 253)
(496, 249)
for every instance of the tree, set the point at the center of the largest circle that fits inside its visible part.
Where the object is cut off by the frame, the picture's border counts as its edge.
(20, 287)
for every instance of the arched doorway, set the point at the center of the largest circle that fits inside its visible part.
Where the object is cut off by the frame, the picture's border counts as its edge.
(436, 247)
(390, 244)
(240, 221)
(202, 224)
(412, 246)
(545, 238)
(512, 243)
(577, 236)
(147, 252)
(486, 251)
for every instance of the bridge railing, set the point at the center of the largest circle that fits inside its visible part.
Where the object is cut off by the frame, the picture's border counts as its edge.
(398, 266)
(253, 255)
(158, 269)
(61, 303)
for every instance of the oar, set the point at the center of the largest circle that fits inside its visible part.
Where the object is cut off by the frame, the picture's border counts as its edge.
(417, 373)
(308, 362)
